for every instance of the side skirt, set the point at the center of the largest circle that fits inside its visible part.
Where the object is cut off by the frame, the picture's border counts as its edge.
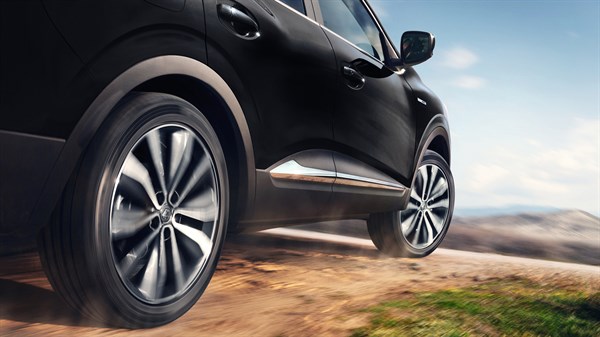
(320, 185)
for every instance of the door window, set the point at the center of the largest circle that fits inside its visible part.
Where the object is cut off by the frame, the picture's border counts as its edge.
(296, 4)
(351, 20)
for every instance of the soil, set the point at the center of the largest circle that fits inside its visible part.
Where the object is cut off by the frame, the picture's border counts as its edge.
(281, 284)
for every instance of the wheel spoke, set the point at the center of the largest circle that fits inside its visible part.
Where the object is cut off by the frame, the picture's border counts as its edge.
(198, 236)
(162, 264)
(415, 198)
(206, 214)
(199, 171)
(428, 230)
(130, 190)
(439, 189)
(176, 260)
(436, 220)
(182, 148)
(410, 223)
(432, 180)
(418, 231)
(425, 177)
(148, 286)
(442, 203)
(203, 199)
(127, 222)
(409, 211)
(132, 262)
(155, 147)
(411, 207)
(135, 170)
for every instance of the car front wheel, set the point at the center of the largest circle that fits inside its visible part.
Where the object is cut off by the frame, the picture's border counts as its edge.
(419, 229)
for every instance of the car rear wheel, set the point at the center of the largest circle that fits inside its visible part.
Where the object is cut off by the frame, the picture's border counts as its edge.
(138, 233)
(419, 229)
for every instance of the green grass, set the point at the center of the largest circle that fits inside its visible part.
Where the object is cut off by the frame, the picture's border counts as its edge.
(500, 308)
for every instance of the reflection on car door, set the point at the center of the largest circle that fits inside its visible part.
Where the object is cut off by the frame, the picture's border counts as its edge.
(372, 117)
(283, 76)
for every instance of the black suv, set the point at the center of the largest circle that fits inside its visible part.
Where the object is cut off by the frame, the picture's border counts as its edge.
(135, 134)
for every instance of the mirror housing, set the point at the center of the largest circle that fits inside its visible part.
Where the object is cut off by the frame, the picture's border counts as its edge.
(415, 47)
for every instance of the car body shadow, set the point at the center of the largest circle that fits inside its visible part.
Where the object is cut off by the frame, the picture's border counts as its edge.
(22, 300)
(277, 243)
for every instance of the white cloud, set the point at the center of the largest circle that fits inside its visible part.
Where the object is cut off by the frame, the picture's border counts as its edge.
(469, 82)
(566, 175)
(486, 176)
(459, 58)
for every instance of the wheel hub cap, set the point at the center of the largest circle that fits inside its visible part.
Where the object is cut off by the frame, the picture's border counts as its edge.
(166, 214)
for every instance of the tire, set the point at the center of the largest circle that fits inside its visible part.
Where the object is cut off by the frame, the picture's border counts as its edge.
(122, 250)
(419, 229)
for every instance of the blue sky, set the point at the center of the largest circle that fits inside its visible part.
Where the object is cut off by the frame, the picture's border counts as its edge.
(521, 82)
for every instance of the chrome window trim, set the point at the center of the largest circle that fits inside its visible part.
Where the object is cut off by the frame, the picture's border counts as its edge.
(381, 30)
(353, 45)
(379, 27)
(296, 12)
(387, 40)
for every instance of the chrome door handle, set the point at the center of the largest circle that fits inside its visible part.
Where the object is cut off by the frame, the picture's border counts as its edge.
(238, 21)
(354, 79)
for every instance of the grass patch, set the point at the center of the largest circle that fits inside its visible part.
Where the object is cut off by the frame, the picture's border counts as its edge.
(500, 308)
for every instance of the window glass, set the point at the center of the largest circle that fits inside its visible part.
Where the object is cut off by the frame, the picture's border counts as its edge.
(296, 4)
(351, 20)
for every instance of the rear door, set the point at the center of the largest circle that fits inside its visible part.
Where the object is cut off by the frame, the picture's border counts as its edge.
(281, 67)
(373, 121)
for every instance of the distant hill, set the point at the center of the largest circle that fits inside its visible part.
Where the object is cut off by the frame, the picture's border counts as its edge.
(563, 235)
(504, 210)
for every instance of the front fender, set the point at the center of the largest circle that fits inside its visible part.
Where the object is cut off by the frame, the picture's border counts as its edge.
(437, 127)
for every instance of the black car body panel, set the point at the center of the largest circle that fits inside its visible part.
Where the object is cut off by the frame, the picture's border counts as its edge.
(68, 63)
(135, 134)
(283, 79)
(374, 124)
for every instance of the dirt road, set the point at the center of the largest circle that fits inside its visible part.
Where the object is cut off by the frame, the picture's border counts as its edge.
(280, 284)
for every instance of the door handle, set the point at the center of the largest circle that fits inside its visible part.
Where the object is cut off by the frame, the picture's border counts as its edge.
(354, 79)
(238, 21)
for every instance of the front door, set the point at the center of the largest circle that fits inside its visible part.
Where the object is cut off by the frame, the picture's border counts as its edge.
(373, 121)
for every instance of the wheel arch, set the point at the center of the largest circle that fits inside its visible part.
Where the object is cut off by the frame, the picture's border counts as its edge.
(181, 76)
(436, 137)
(440, 145)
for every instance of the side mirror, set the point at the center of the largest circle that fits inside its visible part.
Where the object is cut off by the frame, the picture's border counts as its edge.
(415, 47)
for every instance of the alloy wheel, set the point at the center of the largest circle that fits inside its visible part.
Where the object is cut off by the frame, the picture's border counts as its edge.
(427, 212)
(164, 212)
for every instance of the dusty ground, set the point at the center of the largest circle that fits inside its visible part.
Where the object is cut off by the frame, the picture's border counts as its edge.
(280, 286)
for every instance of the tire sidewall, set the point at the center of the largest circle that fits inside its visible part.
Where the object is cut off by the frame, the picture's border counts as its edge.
(98, 175)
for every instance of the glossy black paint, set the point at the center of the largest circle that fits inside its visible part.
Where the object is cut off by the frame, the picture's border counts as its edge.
(65, 64)
(376, 123)
(283, 79)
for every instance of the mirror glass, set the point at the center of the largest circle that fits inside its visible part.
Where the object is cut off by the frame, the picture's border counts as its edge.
(416, 47)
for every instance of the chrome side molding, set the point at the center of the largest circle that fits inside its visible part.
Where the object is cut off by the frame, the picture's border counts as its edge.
(292, 170)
